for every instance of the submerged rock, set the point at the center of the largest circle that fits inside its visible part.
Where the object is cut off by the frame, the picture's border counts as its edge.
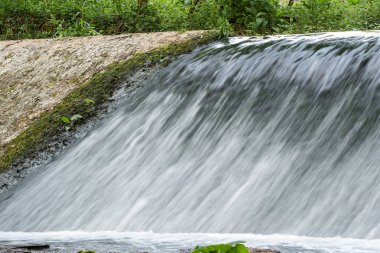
(24, 248)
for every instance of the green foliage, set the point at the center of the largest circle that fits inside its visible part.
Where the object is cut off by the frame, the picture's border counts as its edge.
(259, 15)
(79, 28)
(333, 15)
(69, 122)
(65, 120)
(47, 18)
(86, 251)
(235, 247)
(204, 15)
(88, 101)
(21, 19)
(225, 28)
(75, 117)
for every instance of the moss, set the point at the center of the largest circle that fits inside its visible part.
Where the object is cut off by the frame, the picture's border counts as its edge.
(42, 131)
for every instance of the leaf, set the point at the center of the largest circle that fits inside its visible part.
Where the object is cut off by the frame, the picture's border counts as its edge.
(276, 29)
(76, 117)
(89, 101)
(259, 21)
(65, 120)
(260, 14)
(217, 248)
(240, 248)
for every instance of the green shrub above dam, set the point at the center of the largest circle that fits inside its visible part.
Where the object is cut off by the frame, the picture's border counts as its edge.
(20, 19)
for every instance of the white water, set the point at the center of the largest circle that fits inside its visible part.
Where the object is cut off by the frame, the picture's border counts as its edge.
(164, 242)
(275, 136)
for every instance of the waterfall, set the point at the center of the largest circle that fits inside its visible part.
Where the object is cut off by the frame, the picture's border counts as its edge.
(277, 135)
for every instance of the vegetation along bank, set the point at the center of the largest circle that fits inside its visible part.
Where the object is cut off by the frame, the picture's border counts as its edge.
(20, 19)
(48, 87)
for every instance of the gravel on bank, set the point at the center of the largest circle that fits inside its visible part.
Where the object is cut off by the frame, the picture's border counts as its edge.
(43, 80)
(35, 75)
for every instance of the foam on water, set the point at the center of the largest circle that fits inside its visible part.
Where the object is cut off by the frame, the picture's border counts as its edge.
(166, 242)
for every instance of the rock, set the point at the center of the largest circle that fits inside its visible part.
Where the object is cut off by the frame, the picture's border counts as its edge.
(24, 248)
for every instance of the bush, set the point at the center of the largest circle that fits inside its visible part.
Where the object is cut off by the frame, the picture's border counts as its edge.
(236, 247)
(21, 19)
(334, 15)
(259, 16)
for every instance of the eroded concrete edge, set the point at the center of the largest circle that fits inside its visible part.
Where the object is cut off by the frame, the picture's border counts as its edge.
(49, 125)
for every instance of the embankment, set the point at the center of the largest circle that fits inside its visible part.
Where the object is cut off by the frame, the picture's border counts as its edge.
(43, 80)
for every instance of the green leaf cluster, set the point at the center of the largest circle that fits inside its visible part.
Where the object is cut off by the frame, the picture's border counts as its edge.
(235, 247)
(259, 15)
(20, 19)
(333, 15)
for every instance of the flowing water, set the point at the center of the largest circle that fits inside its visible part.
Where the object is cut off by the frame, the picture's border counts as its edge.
(255, 136)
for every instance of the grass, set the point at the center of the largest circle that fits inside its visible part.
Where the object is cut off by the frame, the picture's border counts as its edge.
(333, 15)
(20, 19)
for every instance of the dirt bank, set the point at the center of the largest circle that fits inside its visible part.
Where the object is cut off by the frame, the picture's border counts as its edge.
(43, 80)
(35, 75)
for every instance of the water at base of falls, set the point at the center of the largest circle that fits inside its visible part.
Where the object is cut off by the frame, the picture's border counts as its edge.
(263, 136)
(152, 242)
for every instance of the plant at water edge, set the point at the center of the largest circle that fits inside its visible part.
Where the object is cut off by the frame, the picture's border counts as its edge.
(233, 247)
(65, 120)
(69, 122)
(88, 101)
